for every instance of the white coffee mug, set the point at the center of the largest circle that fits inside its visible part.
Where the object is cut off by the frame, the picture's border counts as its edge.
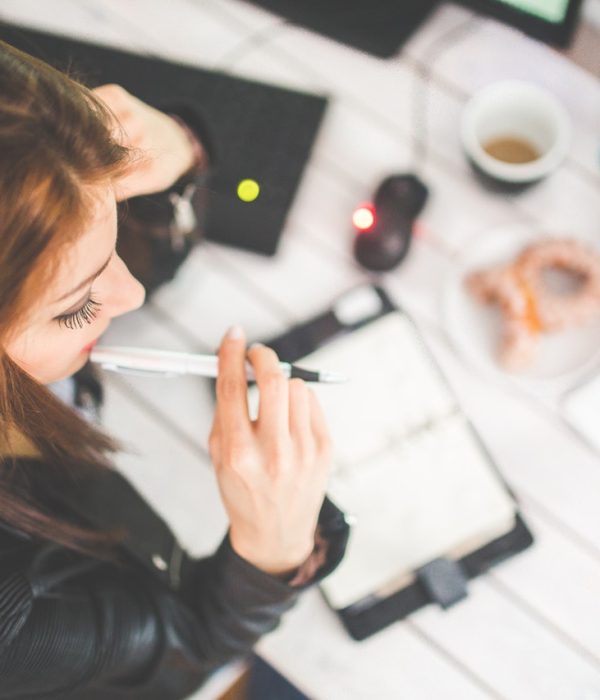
(515, 109)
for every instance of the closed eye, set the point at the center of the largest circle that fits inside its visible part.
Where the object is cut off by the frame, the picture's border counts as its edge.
(84, 314)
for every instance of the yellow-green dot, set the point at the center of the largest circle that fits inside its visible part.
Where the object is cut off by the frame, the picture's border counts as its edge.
(248, 190)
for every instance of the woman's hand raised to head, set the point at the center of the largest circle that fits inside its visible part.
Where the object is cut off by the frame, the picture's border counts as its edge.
(272, 472)
(164, 148)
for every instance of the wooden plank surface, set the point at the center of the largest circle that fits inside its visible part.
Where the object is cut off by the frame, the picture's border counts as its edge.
(530, 628)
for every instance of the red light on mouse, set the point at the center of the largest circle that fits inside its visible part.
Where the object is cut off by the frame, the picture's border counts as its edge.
(364, 217)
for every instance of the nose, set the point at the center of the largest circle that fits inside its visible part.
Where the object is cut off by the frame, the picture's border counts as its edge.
(126, 292)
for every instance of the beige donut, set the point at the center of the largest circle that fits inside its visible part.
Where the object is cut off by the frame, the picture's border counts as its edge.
(529, 307)
(559, 311)
(519, 335)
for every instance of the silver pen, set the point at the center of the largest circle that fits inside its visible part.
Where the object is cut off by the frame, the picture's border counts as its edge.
(142, 361)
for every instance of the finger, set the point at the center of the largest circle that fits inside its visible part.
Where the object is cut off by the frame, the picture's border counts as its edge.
(121, 102)
(214, 437)
(112, 92)
(216, 417)
(300, 419)
(232, 387)
(126, 112)
(133, 130)
(318, 423)
(115, 98)
(214, 444)
(273, 409)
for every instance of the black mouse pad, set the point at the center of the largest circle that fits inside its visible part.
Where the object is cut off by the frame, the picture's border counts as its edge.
(258, 131)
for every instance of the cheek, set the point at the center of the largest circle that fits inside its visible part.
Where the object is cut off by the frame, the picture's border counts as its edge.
(48, 354)
(51, 352)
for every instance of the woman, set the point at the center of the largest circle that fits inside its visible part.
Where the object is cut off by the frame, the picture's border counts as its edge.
(97, 600)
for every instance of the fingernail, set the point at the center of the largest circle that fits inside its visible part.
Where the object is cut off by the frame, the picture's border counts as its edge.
(235, 333)
(255, 345)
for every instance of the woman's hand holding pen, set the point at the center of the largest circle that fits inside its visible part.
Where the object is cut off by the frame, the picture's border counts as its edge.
(272, 472)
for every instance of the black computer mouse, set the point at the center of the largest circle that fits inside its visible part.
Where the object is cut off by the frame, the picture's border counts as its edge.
(397, 202)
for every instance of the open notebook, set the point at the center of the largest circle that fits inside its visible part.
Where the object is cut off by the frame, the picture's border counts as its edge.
(408, 465)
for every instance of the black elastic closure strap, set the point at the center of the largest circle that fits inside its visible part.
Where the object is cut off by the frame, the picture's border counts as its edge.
(444, 580)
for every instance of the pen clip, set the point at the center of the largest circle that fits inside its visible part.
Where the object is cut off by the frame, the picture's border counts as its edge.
(138, 372)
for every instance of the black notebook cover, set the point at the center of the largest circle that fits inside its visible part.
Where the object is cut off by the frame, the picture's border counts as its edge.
(258, 131)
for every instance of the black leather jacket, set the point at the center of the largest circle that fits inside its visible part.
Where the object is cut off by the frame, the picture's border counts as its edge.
(151, 625)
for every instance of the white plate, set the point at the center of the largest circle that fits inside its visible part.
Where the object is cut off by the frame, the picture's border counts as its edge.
(475, 328)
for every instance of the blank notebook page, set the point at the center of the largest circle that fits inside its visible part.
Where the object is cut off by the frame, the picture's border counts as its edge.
(408, 465)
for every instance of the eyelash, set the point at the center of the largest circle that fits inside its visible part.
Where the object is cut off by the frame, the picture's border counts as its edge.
(86, 314)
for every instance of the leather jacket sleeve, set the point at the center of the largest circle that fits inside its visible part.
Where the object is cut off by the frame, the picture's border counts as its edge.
(73, 627)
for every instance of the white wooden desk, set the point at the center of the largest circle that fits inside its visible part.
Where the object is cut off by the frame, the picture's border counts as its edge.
(531, 628)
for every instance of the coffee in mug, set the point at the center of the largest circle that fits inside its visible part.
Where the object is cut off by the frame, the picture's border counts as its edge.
(511, 149)
(514, 133)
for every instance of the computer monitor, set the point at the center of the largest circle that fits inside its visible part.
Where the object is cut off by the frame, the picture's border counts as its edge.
(552, 21)
(377, 27)
(381, 27)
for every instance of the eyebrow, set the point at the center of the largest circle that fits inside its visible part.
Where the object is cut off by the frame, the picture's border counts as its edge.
(89, 279)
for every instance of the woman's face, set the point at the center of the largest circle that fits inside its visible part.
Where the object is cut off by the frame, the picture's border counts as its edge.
(91, 287)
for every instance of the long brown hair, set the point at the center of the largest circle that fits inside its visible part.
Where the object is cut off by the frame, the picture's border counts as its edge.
(55, 139)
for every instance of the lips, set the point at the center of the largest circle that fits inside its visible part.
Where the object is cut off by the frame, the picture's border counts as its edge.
(90, 346)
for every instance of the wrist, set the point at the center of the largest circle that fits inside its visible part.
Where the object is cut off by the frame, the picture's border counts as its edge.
(196, 154)
(284, 565)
